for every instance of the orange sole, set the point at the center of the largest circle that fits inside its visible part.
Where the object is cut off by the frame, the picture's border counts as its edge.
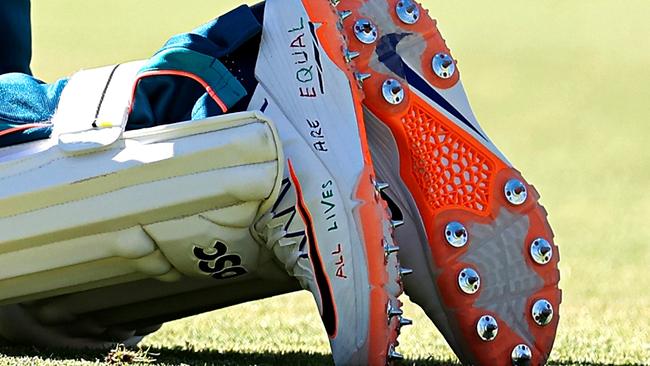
(454, 177)
(372, 212)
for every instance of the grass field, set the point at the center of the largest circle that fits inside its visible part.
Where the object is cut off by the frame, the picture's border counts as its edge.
(562, 87)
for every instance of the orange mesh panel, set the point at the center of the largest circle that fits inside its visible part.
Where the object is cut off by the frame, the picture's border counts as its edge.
(448, 169)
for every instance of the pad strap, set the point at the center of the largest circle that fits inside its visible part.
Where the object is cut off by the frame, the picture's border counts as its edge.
(94, 107)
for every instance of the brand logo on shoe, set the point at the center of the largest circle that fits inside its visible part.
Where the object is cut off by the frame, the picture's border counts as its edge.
(304, 46)
(217, 263)
(399, 52)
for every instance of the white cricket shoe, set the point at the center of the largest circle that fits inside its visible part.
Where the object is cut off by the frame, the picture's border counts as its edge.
(330, 228)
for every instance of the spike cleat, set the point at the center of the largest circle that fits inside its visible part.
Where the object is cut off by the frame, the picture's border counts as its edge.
(482, 250)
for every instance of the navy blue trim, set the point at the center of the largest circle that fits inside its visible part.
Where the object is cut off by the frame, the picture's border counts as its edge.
(416, 81)
(265, 105)
(318, 59)
(328, 305)
(387, 54)
(312, 30)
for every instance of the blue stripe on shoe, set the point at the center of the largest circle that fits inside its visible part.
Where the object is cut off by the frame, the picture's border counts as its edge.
(387, 54)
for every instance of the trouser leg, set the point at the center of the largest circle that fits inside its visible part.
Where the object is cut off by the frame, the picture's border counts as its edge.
(15, 36)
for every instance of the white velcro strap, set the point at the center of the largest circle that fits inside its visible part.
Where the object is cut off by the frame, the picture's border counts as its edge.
(94, 107)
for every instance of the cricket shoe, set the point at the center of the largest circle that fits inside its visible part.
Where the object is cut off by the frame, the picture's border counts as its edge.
(330, 228)
(486, 267)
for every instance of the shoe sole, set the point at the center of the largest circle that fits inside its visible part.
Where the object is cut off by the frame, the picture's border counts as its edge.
(461, 180)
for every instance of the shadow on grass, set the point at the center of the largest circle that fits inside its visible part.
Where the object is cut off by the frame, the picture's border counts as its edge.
(178, 356)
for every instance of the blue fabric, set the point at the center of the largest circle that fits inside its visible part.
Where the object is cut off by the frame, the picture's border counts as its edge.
(25, 100)
(167, 99)
(159, 99)
(230, 31)
(241, 61)
(15, 36)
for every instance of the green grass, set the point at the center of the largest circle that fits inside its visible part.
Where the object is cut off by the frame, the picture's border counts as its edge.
(562, 89)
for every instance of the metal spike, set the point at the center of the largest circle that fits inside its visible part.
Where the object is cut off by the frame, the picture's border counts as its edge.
(469, 281)
(344, 14)
(472, 280)
(350, 55)
(390, 249)
(392, 91)
(542, 312)
(404, 321)
(516, 192)
(405, 271)
(456, 234)
(487, 328)
(393, 311)
(381, 186)
(396, 223)
(360, 76)
(541, 251)
(394, 355)
(443, 65)
(407, 11)
(521, 355)
(365, 31)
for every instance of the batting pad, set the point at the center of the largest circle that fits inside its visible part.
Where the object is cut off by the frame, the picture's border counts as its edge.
(151, 203)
